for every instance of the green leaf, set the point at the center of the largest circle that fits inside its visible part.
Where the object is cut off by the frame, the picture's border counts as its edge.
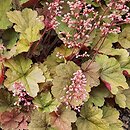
(111, 115)
(91, 72)
(4, 7)
(64, 51)
(40, 121)
(111, 73)
(64, 73)
(92, 2)
(51, 62)
(91, 119)
(106, 47)
(125, 65)
(7, 100)
(27, 23)
(98, 94)
(120, 99)
(63, 120)
(45, 72)
(124, 37)
(9, 37)
(23, 1)
(20, 70)
(127, 96)
(23, 45)
(45, 102)
(63, 28)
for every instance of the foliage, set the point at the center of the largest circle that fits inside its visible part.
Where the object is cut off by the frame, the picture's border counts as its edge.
(64, 65)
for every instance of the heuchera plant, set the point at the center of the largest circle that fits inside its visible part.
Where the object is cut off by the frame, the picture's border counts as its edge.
(64, 65)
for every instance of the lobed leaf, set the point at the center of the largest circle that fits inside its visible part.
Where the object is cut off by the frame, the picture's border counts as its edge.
(111, 115)
(27, 23)
(111, 73)
(40, 121)
(91, 72)
(45, 102)
(91, 119)
(20, 70)
(63, 120)
(7, 100)
(64, 72)
(4, 8)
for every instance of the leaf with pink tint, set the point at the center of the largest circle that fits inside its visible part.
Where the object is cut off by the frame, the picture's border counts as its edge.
(91, 72)
(13, 120)
(111, 73)
(62, 120)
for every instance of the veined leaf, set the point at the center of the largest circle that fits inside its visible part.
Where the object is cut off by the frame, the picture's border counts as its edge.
(9, 37)
(120, 99)
(111, 115)
(14, 120)
(51, 62)
(111, 73)
(91, 73)
(126, 93)
(20, 70)
(40, 121)
(124, 37)
(98, 94)
(4, 7)
(7, 100)
(27, 23)
(64, 73)
(45, 102)
(105, 46)
(63, 120)
(63, 28)
(91, 119)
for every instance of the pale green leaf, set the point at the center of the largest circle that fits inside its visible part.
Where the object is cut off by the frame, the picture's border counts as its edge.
(111, 116)
(40, 121)
(27, 23)
(127, 95)
(111, 73)
(22, 45)
(64, 73)
(105, 46)
(120, 99)
(23, 1)
(5, 6)
(124, 37)
(98, 95)
(91, 119)
(51, 62)
(20, 70)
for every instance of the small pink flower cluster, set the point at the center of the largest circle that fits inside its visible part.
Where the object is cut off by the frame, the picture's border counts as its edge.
(76, 92)
(84, 19)
(53, 11)
(24, 98)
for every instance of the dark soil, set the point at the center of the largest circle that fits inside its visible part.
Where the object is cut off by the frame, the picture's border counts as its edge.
(125, 118)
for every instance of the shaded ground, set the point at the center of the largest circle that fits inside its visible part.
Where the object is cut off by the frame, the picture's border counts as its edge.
(125, 118)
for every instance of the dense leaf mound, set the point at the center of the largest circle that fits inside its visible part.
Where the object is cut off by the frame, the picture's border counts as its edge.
(64, 65)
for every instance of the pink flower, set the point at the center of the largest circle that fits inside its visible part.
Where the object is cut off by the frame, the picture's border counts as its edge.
(76, 91)
(23, 97)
